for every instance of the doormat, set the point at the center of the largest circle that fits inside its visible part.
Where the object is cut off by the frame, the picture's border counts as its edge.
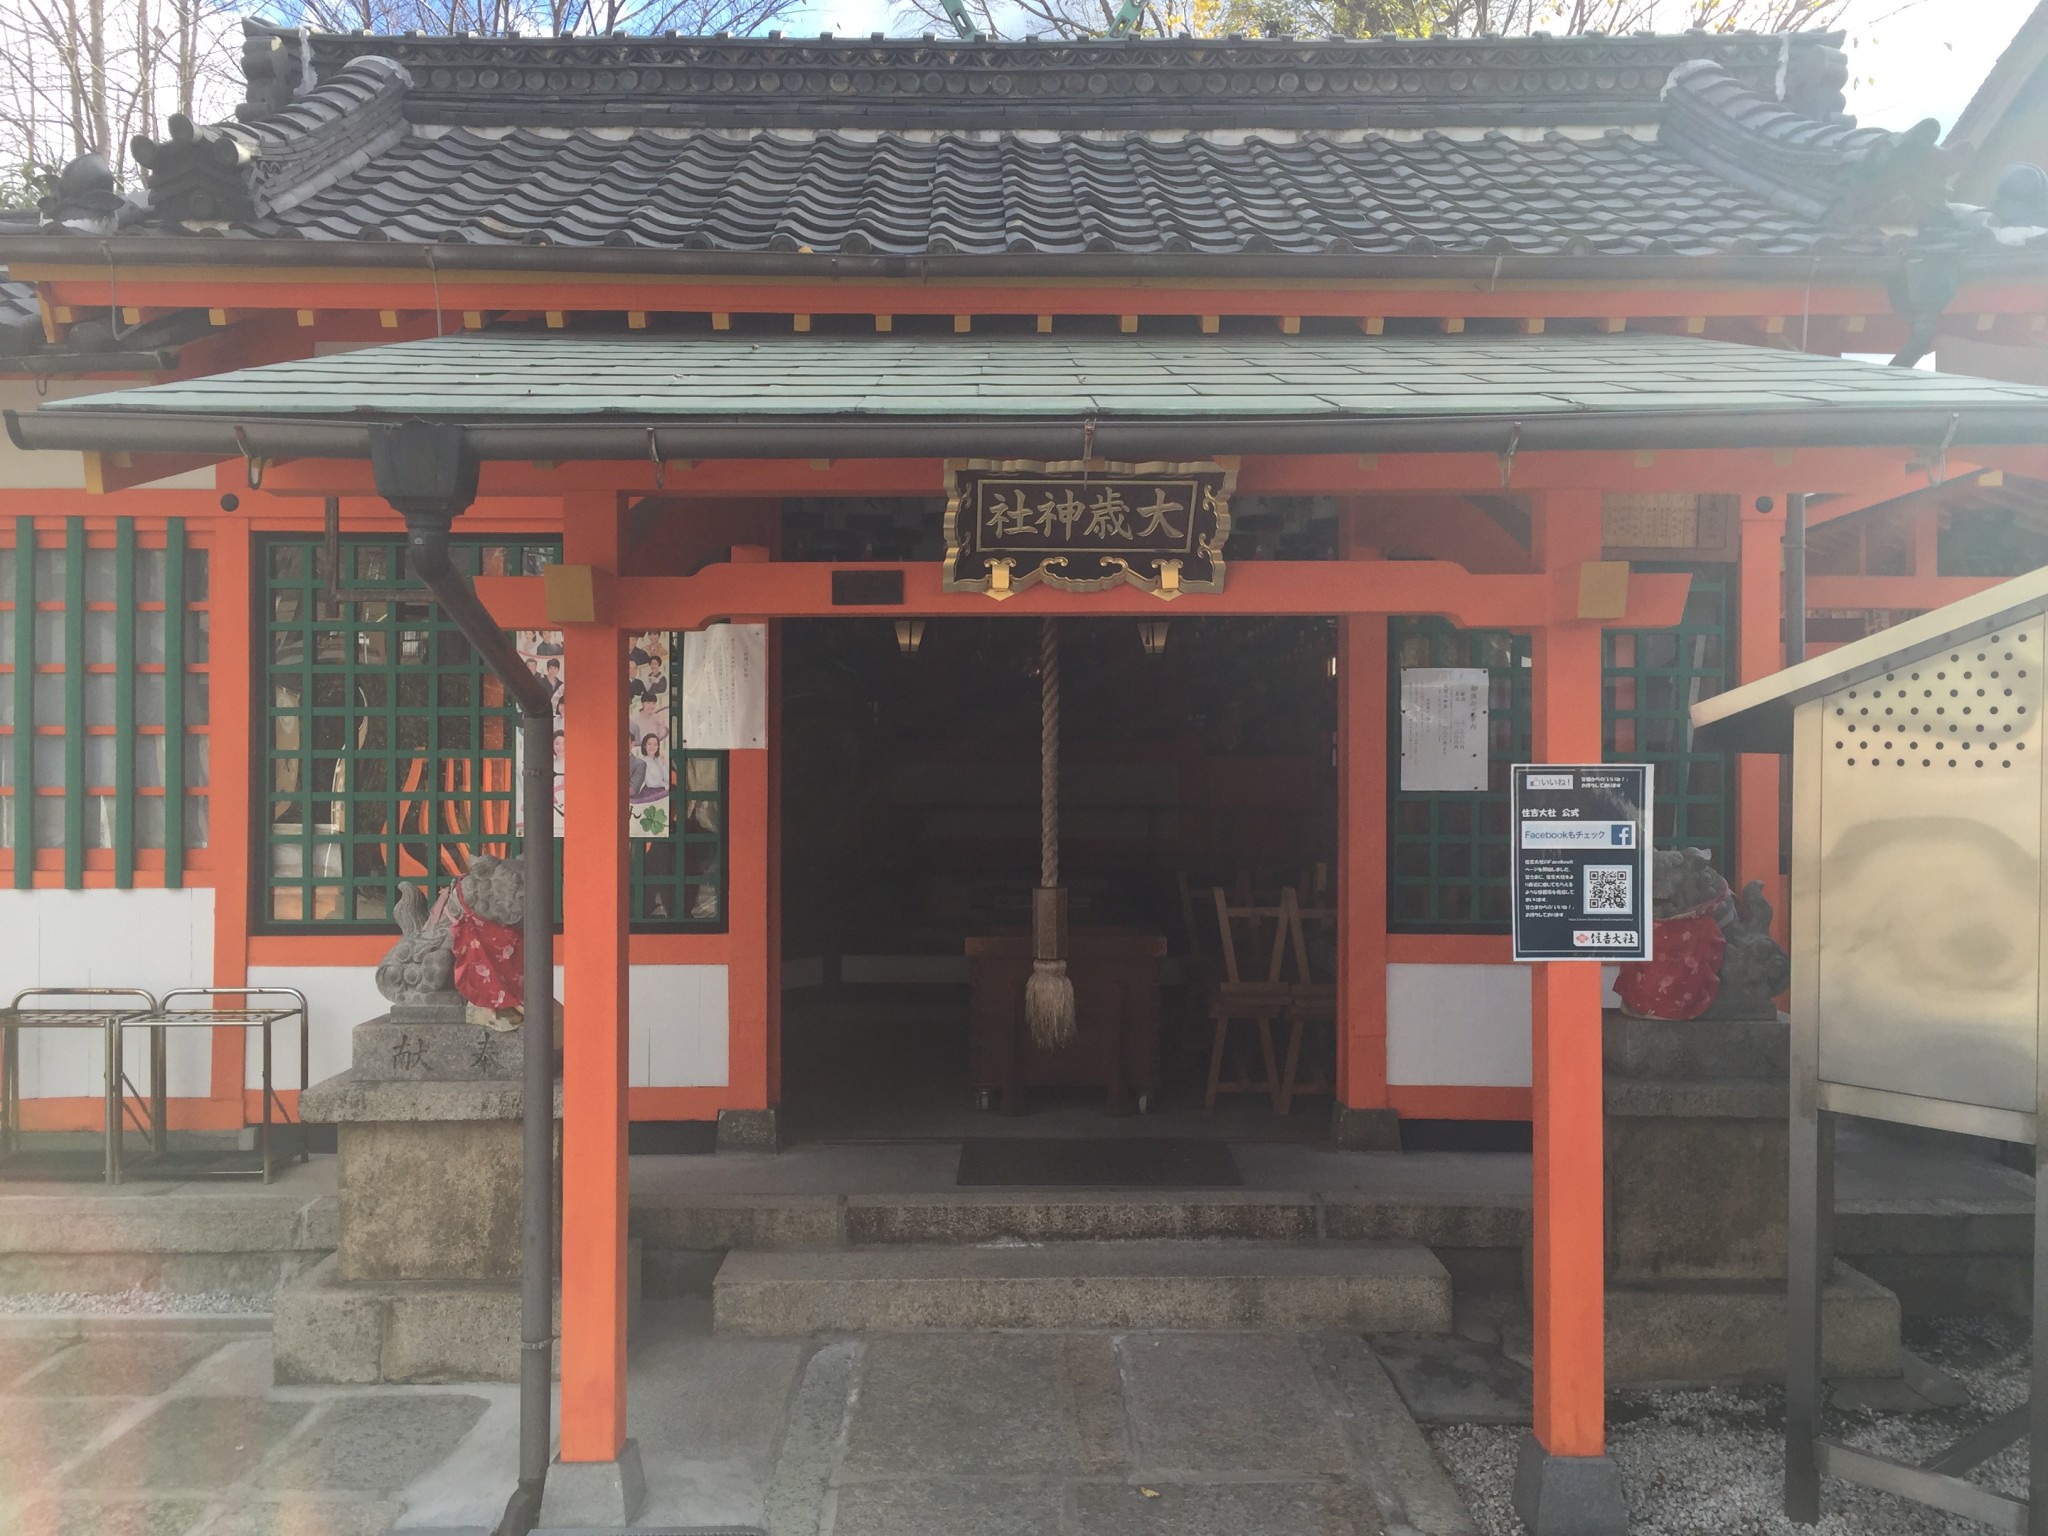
(1103, 1162)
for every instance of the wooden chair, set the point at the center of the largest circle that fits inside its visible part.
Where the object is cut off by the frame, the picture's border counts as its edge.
(1257, 1000)
(1311, 1000)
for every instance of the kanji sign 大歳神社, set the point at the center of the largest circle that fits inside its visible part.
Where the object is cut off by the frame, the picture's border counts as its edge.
(1085, 527)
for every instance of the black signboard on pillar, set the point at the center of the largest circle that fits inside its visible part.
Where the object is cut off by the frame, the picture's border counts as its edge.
(1581, 869)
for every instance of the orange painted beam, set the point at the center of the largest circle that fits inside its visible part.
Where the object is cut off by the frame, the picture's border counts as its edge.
(1362, 851)
(1312, 587)
(1892, 592)
(595, 867)
(413, 294)
(1569, 1272)
(1450, 949)
(1419, 1101)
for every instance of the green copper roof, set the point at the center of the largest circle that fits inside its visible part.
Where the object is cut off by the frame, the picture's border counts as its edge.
(847, 395)
(566, 376)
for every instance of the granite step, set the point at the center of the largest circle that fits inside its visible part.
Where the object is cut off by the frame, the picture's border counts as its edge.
(1372, 1287)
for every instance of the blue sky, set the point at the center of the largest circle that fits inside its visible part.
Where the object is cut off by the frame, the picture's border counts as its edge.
(1909, 60)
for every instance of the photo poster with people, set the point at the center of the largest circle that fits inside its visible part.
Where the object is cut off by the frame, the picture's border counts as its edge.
(649, 725)
(650, 717)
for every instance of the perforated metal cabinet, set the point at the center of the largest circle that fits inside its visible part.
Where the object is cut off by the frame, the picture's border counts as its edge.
(1917, 927)
(1922, 905)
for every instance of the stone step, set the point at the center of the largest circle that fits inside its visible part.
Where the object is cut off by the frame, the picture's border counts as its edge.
(1370, 1287)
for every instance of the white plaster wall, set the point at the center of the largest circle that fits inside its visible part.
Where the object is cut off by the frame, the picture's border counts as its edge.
(679, 1033)
(1458, 1025)
(45, 470)
(681, 1026)
(153, 939)
(338, 998)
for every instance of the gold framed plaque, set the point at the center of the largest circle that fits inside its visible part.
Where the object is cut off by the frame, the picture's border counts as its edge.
(1086, 526)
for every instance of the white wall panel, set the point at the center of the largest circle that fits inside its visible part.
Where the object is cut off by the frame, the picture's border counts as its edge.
(153, 939)
(1458, 1025)
(681, 1026)
(338, 998)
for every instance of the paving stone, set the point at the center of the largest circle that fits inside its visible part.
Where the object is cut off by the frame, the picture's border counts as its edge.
(796, 1494)
(979, 1508)
(957, 1405)
(374, 1444)
(192, 1442)
(37, 1438)
(710, 1399)
(243, 1368)
(308, 1517)
(1231, 1509)
(84, 1517)
(1222, 1403)
(128, 1365)
(1456, 1381)
(20, 1356)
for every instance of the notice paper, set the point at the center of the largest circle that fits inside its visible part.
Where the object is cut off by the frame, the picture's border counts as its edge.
(1443, 728)
(725, 687)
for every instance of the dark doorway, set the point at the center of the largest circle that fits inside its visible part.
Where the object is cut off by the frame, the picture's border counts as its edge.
(910, 824)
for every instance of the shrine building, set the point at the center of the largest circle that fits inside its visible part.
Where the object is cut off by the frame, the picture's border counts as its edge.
(1367, 416)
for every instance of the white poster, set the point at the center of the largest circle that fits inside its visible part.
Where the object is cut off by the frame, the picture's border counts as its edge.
(541, 650)
(725, 688)
(1443, 728)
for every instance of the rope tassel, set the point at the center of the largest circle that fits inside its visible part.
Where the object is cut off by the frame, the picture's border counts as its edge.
(1049, 992)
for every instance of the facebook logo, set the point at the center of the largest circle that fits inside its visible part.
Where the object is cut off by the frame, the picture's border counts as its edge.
(1624, 834)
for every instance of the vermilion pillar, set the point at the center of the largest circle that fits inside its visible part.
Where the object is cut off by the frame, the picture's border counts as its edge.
(594, 1002)
(1760, 652)
(1363, 1117)
(1564, 1477)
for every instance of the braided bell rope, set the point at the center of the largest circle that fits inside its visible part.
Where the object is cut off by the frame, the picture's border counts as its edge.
(1048, 753)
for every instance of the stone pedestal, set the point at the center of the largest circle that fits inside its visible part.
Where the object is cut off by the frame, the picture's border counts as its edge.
(424, 1285)
(1697, 1170)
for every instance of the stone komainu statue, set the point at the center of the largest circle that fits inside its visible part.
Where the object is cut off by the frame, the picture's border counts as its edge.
(418, 976)
(1754, 970)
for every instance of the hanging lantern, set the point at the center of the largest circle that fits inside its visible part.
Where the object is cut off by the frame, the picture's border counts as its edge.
(1152, 632)
(909, 635)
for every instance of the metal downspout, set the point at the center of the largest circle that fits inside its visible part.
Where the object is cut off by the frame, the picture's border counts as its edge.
(1795, 578)
(406, 458)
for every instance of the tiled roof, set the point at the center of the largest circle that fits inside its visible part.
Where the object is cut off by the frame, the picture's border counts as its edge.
(906, 194)
(1691, 146)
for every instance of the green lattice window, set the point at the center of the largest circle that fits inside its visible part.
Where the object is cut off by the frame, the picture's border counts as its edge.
(1653, 678)
(104, 700)
(390, 751)
(1449, 851)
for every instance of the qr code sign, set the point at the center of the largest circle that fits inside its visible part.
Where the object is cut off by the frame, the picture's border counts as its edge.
(1610, 890)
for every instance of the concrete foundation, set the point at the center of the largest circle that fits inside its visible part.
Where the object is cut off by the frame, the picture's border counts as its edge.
(424, 1285)
(1729, 1331)
(1567, 1495)
(582, 1495)
(1697, 1172)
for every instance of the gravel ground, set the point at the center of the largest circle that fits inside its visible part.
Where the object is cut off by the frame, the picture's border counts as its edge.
(1711, 1463)
(134, 1302)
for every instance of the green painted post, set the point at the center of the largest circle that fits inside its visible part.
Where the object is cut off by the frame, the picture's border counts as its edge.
(124, 703)
(24, 702)
(174, 703)
(74, 703)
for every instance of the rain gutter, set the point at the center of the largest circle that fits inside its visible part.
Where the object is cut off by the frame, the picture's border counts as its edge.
(277, 437)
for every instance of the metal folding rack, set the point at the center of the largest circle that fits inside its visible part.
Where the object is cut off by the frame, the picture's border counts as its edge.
(67, 1008)
(169, 1014)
